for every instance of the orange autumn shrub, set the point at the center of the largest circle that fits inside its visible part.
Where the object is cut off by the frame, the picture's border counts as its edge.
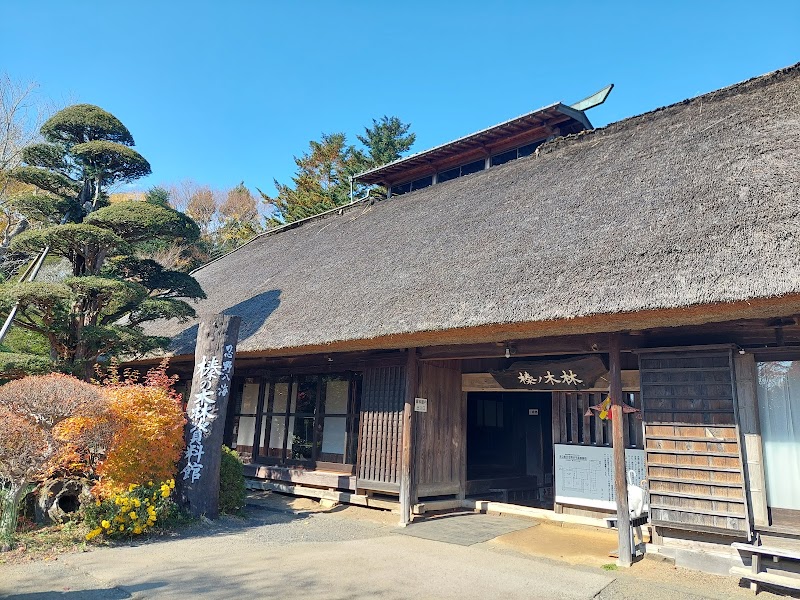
(72, 415)
(43, 420)
(84, 443)
(148, 438)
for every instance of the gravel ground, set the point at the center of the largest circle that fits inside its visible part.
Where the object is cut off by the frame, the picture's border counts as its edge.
(289, 548)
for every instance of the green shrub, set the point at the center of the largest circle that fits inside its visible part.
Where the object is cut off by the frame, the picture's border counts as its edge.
(231, 482)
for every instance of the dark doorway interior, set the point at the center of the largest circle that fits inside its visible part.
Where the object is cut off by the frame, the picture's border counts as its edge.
(510, 447)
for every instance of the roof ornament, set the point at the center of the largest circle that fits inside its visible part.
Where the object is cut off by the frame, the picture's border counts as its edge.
(595, 99)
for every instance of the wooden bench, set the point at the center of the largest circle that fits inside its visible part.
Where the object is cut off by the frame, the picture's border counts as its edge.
(756, 576)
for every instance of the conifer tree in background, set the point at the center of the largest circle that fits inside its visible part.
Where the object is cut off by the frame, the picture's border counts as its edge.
(111, 290)
(322, 179)
(386, 141)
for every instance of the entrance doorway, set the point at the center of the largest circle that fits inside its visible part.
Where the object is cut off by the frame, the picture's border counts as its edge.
(510, 447)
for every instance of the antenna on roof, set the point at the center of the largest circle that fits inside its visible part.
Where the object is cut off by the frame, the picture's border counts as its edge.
(595, 99)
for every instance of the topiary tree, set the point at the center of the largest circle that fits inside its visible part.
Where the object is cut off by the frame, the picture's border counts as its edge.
(39, 417)
(100, 308)
(112, 291)
(85, 151)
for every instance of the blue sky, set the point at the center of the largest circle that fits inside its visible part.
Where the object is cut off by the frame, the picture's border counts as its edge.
(221, 92)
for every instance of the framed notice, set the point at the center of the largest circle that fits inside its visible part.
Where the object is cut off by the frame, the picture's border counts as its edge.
(585, 474)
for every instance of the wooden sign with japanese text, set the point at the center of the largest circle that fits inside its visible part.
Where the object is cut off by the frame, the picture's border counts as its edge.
(205, 413)
(570, 374)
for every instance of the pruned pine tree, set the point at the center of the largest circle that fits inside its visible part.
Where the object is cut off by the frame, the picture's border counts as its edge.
(85, 151)
(111, 290)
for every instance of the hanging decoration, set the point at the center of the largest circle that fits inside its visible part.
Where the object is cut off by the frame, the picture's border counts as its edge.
(603, 410)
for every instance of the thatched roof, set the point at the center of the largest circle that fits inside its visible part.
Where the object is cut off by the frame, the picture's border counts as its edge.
(688, 206)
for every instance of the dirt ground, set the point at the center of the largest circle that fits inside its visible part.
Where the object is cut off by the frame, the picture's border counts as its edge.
(574, 545)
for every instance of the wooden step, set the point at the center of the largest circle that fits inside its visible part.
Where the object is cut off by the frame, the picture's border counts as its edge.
(783, 581)
(767, 550)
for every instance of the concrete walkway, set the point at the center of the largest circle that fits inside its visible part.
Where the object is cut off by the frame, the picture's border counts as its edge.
(342, 554)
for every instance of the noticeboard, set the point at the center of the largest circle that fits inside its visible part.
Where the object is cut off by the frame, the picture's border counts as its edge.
(585, 474)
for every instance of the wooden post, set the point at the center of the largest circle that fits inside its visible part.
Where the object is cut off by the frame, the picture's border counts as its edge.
(208, 401)
(407, 475)
(618, 443)
(462, 441)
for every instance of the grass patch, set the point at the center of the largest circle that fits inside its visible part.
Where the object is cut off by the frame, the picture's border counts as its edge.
(36, 542)
(610, 567)
(46, 543)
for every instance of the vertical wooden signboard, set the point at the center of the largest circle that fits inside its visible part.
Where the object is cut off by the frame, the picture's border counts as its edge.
(206, 410)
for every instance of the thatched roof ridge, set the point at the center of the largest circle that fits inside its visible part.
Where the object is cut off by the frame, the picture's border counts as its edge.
(735, 89)
(692, 205)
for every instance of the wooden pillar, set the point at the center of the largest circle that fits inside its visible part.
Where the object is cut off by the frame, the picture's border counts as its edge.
(618, 443)
(462, 440)
(206, 410)
(407, 475)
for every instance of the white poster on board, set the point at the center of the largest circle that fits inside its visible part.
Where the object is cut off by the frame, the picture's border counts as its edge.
(585, 474)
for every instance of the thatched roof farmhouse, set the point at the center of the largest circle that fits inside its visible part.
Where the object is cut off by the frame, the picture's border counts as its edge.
(456, 345)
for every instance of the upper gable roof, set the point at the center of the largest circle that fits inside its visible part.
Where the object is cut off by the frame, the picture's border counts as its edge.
(532, 126)
(691, 205)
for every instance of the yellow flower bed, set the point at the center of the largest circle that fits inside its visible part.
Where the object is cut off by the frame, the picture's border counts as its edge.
(130, 513)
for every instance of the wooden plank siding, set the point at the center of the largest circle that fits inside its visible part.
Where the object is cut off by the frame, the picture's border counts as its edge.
(571, 426)
(694, 460)
(381, 429)
(440, 436)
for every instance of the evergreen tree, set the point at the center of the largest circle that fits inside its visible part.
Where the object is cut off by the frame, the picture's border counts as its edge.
(322, 181)
(111, 291)
(86, 150)
(386, 141)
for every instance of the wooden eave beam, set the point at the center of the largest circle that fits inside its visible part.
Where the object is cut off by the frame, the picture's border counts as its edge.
(585, 344)
(702, 319)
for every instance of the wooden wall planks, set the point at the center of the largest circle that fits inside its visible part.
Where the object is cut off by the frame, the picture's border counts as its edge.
(381, 429)
(694, 459)
(440, 436)
(439, 439)
(572, 426)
